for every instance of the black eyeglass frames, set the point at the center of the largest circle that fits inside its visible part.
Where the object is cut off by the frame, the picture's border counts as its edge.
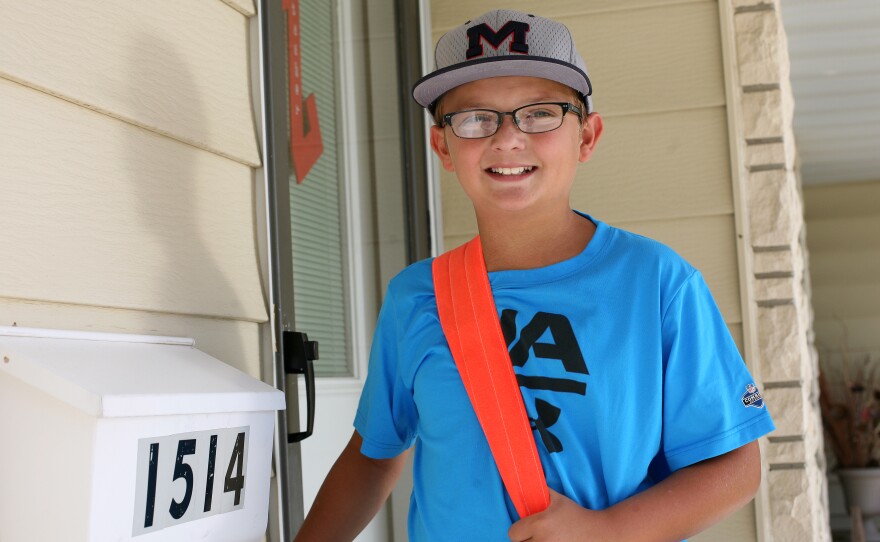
(534, 118)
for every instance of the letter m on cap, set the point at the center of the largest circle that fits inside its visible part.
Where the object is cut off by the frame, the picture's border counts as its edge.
(484, 32)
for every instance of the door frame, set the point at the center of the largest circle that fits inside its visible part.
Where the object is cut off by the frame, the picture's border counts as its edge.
(273, 202)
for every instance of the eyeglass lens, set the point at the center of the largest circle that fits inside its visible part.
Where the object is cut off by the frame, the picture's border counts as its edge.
(531, 119)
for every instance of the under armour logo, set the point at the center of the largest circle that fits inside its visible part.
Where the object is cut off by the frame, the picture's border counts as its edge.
(484, 32)
(547, 416)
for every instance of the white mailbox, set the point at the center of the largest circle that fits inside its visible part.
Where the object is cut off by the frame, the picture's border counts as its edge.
(107, 437)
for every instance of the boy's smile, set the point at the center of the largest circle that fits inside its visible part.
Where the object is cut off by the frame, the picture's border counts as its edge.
(511, 170)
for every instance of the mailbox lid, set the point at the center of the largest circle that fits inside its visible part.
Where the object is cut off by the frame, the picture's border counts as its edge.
(115, 375)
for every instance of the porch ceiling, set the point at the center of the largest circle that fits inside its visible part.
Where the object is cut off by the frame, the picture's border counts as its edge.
(835, 75)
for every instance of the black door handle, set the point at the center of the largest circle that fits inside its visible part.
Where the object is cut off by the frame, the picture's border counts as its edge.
(299, 352)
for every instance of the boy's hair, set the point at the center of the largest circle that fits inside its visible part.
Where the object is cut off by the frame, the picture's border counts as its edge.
(501, 43)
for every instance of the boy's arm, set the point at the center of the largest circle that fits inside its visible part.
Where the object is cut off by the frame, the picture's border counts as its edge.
(351, 495)
(689, 501)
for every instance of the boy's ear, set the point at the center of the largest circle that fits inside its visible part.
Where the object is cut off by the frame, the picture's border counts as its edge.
(590, 133)
(441, 149)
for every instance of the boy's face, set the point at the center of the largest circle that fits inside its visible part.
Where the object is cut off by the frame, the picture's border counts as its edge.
(490, 169)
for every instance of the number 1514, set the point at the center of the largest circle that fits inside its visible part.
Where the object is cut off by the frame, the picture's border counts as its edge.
(176, 477)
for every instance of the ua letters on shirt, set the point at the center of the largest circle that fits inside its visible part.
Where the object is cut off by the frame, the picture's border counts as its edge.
(626, 367)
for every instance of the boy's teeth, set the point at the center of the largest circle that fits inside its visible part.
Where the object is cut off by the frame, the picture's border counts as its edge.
(511, 170)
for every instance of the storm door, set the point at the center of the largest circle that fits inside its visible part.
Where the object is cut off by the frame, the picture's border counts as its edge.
(342, 210)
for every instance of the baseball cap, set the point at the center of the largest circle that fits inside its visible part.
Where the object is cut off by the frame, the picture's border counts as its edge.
(500, 43)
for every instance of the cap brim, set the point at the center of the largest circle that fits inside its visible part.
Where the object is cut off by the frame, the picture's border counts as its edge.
(432, 86)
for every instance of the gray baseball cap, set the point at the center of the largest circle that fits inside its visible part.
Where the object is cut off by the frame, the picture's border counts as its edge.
(500, 43)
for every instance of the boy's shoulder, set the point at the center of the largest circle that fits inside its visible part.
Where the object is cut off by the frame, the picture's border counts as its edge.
(413, 281)
(649, 251)
(637, 259)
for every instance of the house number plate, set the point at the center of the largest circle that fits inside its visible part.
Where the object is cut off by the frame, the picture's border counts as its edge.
(189, 476)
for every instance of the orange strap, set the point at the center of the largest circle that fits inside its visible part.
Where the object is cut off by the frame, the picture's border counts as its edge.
(470, 322)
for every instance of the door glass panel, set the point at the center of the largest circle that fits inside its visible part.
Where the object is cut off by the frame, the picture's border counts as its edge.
(344, 143)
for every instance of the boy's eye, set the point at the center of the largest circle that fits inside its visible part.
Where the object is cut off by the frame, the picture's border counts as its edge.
(474, 123)
(541, 112)
(478, 117)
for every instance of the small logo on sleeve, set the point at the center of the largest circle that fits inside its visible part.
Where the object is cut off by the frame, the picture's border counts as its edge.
(752, 397)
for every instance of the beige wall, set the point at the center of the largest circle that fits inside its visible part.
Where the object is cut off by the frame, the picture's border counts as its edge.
(127, 162)
(842, 225)
(663, 166)
(842, 221)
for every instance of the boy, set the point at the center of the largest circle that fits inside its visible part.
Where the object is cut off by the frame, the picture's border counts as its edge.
(644, 415)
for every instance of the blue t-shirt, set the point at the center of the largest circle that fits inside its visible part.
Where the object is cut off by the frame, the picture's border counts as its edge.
(626, 367)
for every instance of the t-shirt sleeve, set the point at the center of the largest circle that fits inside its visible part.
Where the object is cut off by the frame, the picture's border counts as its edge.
(386, 417)
(711, 402)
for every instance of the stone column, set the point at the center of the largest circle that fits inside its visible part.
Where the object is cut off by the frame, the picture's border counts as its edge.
(798, 503)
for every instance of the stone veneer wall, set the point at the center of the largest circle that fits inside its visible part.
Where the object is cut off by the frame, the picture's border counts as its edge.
(796, 500)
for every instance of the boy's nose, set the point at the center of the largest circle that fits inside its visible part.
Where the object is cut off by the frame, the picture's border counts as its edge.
(508, 136)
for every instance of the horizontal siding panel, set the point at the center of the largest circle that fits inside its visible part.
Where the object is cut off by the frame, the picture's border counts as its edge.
(856, 267)
(842, 224)
(452, 241)
(661, 59)
(100, 212)
(853, 334)
(234, 342)
(842, 201)
(245, 7)
(736, 332)
(838, 170)
(737, 527)
(445, 15)
(458, 211)
(847, 300)
(177, 68)
(844, 234)
(660, 166)
(709, 244)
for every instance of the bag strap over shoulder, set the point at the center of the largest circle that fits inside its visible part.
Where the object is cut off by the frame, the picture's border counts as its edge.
(470, 322)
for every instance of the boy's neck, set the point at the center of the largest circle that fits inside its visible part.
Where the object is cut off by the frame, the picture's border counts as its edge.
(529, 242)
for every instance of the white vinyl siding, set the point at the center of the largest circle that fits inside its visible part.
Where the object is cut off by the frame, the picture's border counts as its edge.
(128, 148)
(100, 212)
(180, 69)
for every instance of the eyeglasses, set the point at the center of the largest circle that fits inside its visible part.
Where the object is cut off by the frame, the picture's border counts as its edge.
(531, 119)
